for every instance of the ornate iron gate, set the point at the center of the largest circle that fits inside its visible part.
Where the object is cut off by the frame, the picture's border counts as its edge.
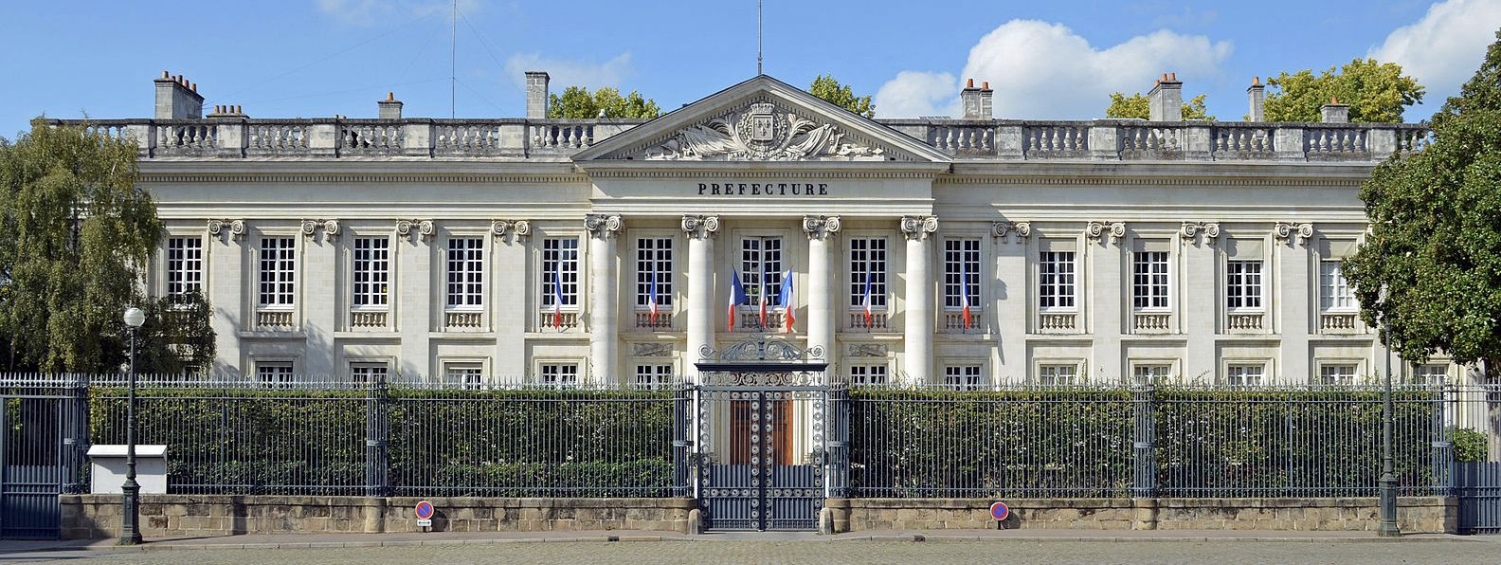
(762, 419)
(43, 437)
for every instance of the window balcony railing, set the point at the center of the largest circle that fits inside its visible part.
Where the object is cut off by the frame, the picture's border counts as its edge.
(369, 320)
(953, 322)
(877, 322)
(274, 320)
(749, 320)
(662, 323)
(548, 320)
(1245, 322)
(1058, 322)
(463, 320)
(1338, 322)
(1152, 322)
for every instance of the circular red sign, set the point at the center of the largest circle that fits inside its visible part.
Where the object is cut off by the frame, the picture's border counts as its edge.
(424, 510)
(999, 511)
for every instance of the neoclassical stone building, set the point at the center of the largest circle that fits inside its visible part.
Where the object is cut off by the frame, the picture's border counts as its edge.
(962, 251)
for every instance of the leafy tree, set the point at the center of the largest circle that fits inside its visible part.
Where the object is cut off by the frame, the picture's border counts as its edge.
(578, 102)
(1136, 106)
(75, 234)
(1435, 242)
(1376, 92)
(825, 87)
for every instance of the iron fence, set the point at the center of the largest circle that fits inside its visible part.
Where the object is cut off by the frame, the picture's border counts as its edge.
(1472, 420)
(1120, 441)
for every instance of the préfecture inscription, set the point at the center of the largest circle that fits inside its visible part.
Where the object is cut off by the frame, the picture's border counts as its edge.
(763, 189)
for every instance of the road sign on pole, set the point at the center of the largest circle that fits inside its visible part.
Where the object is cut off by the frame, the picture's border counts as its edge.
(425, 514)
(999, 511)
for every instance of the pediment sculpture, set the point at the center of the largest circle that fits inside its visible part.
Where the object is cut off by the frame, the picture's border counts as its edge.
(761, 132)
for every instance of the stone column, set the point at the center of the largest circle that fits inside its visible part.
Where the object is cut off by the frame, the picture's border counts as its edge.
(700, 231)
(821, 319)
(604, 334)
(918, 322)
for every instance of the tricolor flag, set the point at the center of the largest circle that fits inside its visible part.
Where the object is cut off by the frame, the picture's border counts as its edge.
(964, 290)
(785, 298)
(557, 291)
(651, 298)
(866, 301)
(763, 298)
(737, 296)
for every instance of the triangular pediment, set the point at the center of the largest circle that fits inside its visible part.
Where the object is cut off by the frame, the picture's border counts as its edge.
(762, 119)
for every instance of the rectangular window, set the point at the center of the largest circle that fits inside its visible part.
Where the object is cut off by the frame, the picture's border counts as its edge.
(466, 273)
(961, 273)
(1337, 374)
(1335, 294)
(560, 272)
(1152, 373)
(1431, 374)
(471, 376)
(868, 262)
(184, 267)
(1055, 280)
(653, 376)
(274, 375)
(559, 374)
(278, 267)
(654, 263)
(761, 261)
(1245, 375)
(371, 272)
(367, 373)
(1057, 375)
(868, 374)
(1243, 285)
(962, 376)
(1149, 286)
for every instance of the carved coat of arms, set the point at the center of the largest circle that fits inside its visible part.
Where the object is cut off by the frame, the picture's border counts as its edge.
(760, 132)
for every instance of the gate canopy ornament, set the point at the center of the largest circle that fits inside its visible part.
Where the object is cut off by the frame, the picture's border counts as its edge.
(757, 360)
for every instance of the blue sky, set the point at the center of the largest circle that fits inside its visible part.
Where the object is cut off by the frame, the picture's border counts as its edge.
(311, 58)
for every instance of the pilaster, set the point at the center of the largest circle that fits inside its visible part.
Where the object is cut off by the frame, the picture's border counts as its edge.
(320, 307)
(227, 293)
(1294, 296)
(414, 311)
(512, 314)
(1106, 308)
(1200, 303)
(1010, 305)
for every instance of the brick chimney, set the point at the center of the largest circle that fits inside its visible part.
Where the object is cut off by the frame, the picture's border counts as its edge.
(1165, 102)
(1335, 113)
(177, 98)
(536, 94)
(1257, 93)
(390, 108)
(976, 101)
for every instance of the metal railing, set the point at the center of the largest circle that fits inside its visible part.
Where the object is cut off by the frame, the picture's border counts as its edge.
(1144, 441)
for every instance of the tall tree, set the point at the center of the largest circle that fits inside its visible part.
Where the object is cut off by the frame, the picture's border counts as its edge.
(825, 87)
(1136, 106)
(1430, 269)
(75, 235)
(578, 102)
(1376, 92)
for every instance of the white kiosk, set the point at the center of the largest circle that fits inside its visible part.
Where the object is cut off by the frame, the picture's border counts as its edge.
(107, 466)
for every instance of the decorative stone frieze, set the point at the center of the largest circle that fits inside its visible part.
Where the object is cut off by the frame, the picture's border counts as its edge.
(918, 228)
(1286, 230)
(1097, 230)
(820, 227)
(868, 350)
(602, 226)
(651, 349)
(1003, 230)
(700, 227)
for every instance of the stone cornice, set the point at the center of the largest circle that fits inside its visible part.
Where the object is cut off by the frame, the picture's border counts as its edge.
(360, 178)
(1086, 180)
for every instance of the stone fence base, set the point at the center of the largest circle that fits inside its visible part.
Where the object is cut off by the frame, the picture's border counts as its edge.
(98, 516)
(1414, 514)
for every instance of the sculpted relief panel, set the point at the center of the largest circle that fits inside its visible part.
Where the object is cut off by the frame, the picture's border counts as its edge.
(761, 131)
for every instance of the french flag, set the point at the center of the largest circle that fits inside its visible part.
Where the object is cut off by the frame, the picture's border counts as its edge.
(964, 291)
(737, 296)
(785, 297)
(651, 298)
(763, 298)
(557, 292)
(866, 301)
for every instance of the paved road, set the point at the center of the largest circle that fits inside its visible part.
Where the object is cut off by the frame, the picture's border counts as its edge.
(819, 552)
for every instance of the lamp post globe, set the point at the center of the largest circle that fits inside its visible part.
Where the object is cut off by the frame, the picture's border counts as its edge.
(130, 530)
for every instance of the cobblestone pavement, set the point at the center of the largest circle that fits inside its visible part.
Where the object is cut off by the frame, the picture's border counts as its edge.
(819, 552)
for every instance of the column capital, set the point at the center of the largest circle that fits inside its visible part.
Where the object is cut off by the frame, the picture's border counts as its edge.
(820, 227)
(520, 228)
(1285, 231)
(236, 228)
(602, 226)
(1097, 230)
(700, 227)
(1001, 229)
(918, 228)
(1211, 230)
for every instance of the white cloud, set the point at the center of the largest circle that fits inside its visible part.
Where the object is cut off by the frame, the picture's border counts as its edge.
(914, 94)
(1044, 70)
(565, 73)
(1443, 49)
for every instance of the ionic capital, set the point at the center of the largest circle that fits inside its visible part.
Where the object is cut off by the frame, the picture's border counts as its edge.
(602, 226)
(1285, 231)
(519, 228)
(700, 227)
(918, 228)
(1002, 229)
(820, 227)
(1097, 230)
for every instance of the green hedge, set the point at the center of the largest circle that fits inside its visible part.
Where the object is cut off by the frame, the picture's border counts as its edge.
(517, 443)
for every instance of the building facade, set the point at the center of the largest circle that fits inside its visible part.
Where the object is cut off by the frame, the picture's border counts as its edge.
(963, 251)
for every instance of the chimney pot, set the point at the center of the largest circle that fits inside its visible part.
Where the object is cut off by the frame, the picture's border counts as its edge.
(1255, 81)
(390, 96)
(985, 85)
(1172, 77)
(970, 83)
(165, 74)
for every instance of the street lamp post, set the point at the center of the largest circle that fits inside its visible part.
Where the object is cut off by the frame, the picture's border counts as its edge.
(1388, 482)
(130, 530)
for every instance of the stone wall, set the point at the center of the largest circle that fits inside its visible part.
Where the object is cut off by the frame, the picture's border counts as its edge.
(98, 516)
(1415, 514)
